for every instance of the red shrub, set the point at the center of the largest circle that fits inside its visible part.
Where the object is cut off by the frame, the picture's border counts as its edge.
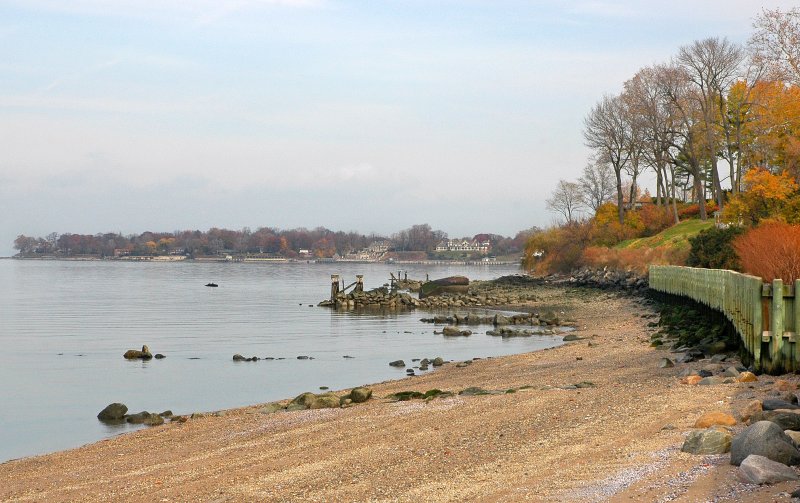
(693, 210)
(771, 250)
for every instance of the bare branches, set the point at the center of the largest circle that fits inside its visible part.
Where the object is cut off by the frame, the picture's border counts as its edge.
(566, 200)
(776, 43)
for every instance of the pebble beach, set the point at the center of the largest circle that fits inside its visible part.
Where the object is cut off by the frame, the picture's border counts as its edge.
(596, 419)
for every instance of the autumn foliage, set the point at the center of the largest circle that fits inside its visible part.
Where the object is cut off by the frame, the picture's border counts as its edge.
(770, 251)
(765, 195)
(633, 259)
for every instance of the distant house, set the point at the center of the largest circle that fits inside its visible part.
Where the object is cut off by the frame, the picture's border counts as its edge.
(463, 245)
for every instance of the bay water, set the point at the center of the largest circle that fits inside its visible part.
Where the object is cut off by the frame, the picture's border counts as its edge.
(64, 326)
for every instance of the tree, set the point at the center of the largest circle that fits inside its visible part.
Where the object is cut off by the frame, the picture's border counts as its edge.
(24, 244)
(712, 66)
(653, 115)
(606, 131)
(596, 185)
(776, 43)
(685, 128)
(566, 200)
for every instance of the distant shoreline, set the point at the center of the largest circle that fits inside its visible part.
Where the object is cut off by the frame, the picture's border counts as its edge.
(173, 259)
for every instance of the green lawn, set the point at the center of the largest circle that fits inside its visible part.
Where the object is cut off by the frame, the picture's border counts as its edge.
(676, 236)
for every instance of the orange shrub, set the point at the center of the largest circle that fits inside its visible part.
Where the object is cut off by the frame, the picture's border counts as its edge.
(607, 229)
(771, 250)
(693, 210)
(558, 249)
(633, 259)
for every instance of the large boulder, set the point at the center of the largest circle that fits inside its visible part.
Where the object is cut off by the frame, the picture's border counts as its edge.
(360, 395)
(710, 441)
(304, 398)
(777, 403)
(764, 438)
(786, 419)
(113, 412)
(757, 469)
(325, 401)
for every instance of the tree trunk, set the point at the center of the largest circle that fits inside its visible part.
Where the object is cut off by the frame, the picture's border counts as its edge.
(620, 197)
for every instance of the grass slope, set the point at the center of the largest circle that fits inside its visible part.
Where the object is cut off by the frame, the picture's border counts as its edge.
(676, 236)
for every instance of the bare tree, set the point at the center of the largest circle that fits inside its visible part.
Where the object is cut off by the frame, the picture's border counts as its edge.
(653, 116)
(712, 66)
(597, 185)
(685, 127)
(776, 43)
(606, 131)
(566, 200)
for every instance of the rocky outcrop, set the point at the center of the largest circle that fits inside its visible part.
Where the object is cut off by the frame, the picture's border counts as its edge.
(609, 279)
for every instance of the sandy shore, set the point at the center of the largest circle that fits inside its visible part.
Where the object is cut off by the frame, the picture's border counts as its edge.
(619, 440)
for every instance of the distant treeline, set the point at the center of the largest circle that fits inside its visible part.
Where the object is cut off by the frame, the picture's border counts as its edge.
(319, 242)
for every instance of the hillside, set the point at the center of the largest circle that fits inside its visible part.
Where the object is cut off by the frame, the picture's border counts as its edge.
(676, 237)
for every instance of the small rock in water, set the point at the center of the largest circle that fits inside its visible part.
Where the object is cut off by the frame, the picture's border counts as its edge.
(159, 356)
(303, 357)
(348, 356)
(239, 358)
(398, 363)
(323, 387)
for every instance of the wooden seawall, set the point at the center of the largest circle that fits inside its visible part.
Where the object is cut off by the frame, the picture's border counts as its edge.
(766, 316)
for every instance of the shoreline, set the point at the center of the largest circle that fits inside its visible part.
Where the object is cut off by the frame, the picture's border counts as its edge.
(216, 260)
(619, 436)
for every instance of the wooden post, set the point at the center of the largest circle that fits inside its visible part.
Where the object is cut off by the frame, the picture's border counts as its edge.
(334, 287)
(758, 325)
(796, 324)
(359, 283)
(776, 325)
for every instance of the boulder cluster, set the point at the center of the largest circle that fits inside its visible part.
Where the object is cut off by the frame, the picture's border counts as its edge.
(764, 451)
(609, 279)
(328, 400)
(548, 318)
(118, 413)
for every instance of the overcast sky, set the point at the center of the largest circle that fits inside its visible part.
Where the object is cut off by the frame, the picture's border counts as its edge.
(162, 115)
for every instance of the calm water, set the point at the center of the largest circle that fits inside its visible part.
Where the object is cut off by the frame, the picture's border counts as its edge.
(65, 325)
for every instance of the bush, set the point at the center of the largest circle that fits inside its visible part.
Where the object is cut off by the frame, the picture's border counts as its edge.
(607, 229)
(693, 210)
(633, 259)
(771, 250)
(655, 219)
(561, 247)
(713, 249)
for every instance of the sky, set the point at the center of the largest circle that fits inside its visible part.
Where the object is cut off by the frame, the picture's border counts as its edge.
(162, 115)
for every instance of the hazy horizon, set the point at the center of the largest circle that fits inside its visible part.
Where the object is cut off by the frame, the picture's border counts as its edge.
(372, 117)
